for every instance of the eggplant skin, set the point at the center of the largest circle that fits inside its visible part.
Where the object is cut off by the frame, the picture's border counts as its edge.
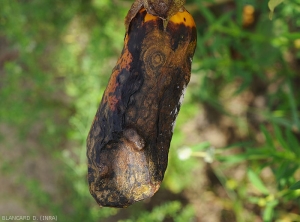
(129, 140)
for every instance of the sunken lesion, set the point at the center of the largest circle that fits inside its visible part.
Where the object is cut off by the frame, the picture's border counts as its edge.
(121, 176)
(135, 139)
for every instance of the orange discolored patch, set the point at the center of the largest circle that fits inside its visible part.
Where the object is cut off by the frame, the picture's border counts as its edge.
(150, 17)
(113, 100)
(126, 39)
(123, 63)
(183, 18)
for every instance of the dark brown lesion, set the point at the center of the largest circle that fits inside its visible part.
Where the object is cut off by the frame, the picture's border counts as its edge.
(128, 145)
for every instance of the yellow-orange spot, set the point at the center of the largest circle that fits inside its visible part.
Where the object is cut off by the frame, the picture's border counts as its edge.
(126, 39)
(183, 17)
(150, 17)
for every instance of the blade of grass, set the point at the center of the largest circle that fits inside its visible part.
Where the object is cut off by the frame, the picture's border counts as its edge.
(293, 105)
(295, 186)
(257, 182)
(268, 137)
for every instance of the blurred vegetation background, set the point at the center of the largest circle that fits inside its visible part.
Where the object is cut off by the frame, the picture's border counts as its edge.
(235, 153)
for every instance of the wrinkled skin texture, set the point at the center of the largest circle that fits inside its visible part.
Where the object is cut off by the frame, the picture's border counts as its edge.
(164, 9)
(128, 143)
